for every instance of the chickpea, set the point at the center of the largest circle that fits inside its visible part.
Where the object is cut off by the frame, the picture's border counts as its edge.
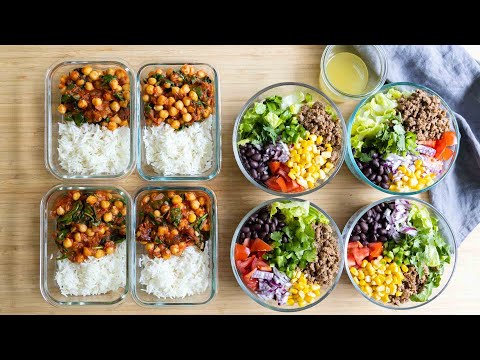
(102, 230)
(123, 104)
(199, 212)
(97, 101)
(62, 109)
(87, 70)
(110, 250)
(118, 204)
(99, 253)
(126, 94)
(67, 243)
(170, 194)
(184, 111)
(87, 252)
(92, 199)
(194, 204)
(192, 217)
(124, 211)
(79, 258)
(88, 86)
(116, 119)
(118, 88)
(77, 236)
(74, 75)
(193, 95)
(159, 71)
(111, 71)
(206, 113)
(158, 90)
(187, 117)
(162, 230)
(174, 249)
(149, 247)
(190, 196)
(206, 226)
(82, 104)
(124, 123)
(146, 97)
(82, 228)
(202, 201)
(179, 105)
(174, 232)
(126, 87)
(162, 100)
(158, 108)
(175, 124)
(149, 89)
(163, 114)
(156, 213)
(175, 90)
(171, 100)
(167, 85)
(164, 208)
(107, 217)
(120, 73)
(201, 74)
(60, 211)
(113, 84)
(104, 204)
(115, 106)
(187, 101)
(166, 254)
(76, 195)
(63, 90)
(186, 89)
(115, 211)
(182, 245)
(146, 199)
(93, 75)
(173, 111)
(80, 82)
(169, 72)
(112, 126)
(191, 109)
(185, 69)
(152, 81)
(90, 232)
(62, 86)
(176, 200)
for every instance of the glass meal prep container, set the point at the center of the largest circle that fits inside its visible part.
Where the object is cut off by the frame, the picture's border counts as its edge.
(49, 251)
(145, 170)
(137, 250)
(53, 117)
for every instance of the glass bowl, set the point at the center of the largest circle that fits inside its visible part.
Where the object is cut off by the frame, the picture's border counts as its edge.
(53, 117)
(443, 227)
(137, 250)
(284, 89)
(49, 251)
(272, 304)
(145, 170)
(448, 165)
(374, 58)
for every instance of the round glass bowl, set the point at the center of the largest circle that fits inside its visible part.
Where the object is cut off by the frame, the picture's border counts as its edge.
(272, 304)
(444, 229)
(284, 89)
(411, 87)
(375, 60)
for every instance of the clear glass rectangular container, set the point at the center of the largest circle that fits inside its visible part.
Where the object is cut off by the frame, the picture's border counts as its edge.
(140, 296)
(53, 117)
(49, 251)
(144, 169)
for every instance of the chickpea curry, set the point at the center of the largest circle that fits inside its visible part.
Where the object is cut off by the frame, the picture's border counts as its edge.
(89, 223)
(178, 97)
(96, 96)
(171, 221)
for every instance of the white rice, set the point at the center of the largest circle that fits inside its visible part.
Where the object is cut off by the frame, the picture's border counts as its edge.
(90, 149)
(177, 277)
(185, 152)
(93, 276)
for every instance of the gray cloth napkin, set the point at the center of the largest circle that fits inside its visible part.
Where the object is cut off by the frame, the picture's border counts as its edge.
(451, 72)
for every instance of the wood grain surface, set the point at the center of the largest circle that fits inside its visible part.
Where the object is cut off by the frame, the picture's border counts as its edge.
(243, 71)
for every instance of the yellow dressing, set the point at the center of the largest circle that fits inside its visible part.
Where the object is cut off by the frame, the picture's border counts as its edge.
(347, 72)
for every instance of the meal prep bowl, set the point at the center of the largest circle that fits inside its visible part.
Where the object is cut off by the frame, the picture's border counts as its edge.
(144, 169)
(53, 117)
(136, 251)
(284, 89)
(49, 251)
(272, 304)
(444, 229)
(403, 86)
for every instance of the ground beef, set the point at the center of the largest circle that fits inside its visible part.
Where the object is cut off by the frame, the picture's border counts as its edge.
(411, 285)
(423, 115)
(317, 121)
(325, 267)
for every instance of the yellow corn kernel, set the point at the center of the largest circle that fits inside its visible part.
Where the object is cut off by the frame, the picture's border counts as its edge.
(322, 174)
(385, 298)
(328, 145)
(316, 292)
(405, 178)
(388, 260)
(290, 163)
(302, 302)
(393, 288)
(308, 299)
(388, 279)
(362, 283)
(418, 163)
(369, 267)
(377, 297)
(293, 280)
(364, 263)
(301, 294)
(356, 280)
(387, 290)
(297, 146)
(369, 289)
(383, 267)
(380, 288)
(290, 302)
(315, 287)
(313, 137)
(399, 293)
(293, 291)
(368, 279)
(404, 268)
(361, 275)
(402, 169)
(413, 182)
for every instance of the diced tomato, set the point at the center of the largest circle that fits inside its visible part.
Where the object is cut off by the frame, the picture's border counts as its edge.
(440, 148)
(353, 245)
(272, 184)
(429, 143)
(297, 188)
(274, 166)
(450, 138)
(260, 245)
(285, 168)
(241, 252)
(247, 242)
(282, 184)
(245, 265)
(261, 264)
(447, 154)
(351, 260)
(376, 249)
(251, 283)
(359, 254)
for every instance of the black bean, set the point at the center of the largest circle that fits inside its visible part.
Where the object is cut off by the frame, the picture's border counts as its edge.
(364, 227)
(253, 164)
(281, 224)
(275, 220)
(355, 238)
(273, 228)
(360, 166)
(382, 232)
(266, 227)
(378, 217)
(265, 177)
(379, 179)
(257, 157)
(378, 209)
(242, 236)
(374, 155)
(257, 226)
(372, 177)
(248, 235)
(376, 163)
(357, 229)
(391, 206)
(370, 220)
(245, 229)
(363, 237)
(254, 173)
(250, 152)
(382, 238)
(260, 221)
(262, 234)
(385, 186)
(264, 216)
(367, 172)
(381, 170)
(385, 178)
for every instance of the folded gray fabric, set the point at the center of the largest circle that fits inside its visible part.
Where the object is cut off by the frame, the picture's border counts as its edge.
(451, 72)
